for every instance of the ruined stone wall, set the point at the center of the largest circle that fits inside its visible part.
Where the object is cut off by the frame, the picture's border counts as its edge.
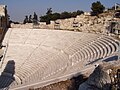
(4, 21)
(41, 25)
(28, 25)
(84, 23)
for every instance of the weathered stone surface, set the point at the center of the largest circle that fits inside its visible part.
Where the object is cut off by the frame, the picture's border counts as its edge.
(100, 78)
(86, 23)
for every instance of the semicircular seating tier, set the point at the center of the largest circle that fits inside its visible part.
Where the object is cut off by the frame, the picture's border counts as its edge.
(43, 55)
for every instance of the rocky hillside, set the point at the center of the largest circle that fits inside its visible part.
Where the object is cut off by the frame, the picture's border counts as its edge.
(103, 78)
(98, 80)
(84, 23)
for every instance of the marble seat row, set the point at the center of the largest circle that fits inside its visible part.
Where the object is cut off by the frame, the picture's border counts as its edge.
(101, 48)
(88, 50)
(40, 64)
(54, 55)
(26, 72)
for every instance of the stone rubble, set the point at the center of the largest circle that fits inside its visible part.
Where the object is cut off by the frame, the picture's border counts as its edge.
(100, 79)
(84, 23)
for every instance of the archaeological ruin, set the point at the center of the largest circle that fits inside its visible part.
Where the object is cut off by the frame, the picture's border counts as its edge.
(34, 57)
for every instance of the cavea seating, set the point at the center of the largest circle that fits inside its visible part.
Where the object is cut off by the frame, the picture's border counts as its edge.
(41, 56)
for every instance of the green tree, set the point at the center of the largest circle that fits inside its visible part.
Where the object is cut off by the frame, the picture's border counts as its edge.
(55, 16)
(49, 11)
(73, 14)
(35, 18)
(45, 18)
(25, 20)
(30, 19)
(97, 8)
(65, 15)
(79, 12)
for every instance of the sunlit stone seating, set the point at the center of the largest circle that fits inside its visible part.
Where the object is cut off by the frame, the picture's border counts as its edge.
(41, 55)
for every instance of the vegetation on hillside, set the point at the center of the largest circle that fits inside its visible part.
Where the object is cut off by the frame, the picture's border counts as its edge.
(30, 19)
(54, 16)
(97, 8)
